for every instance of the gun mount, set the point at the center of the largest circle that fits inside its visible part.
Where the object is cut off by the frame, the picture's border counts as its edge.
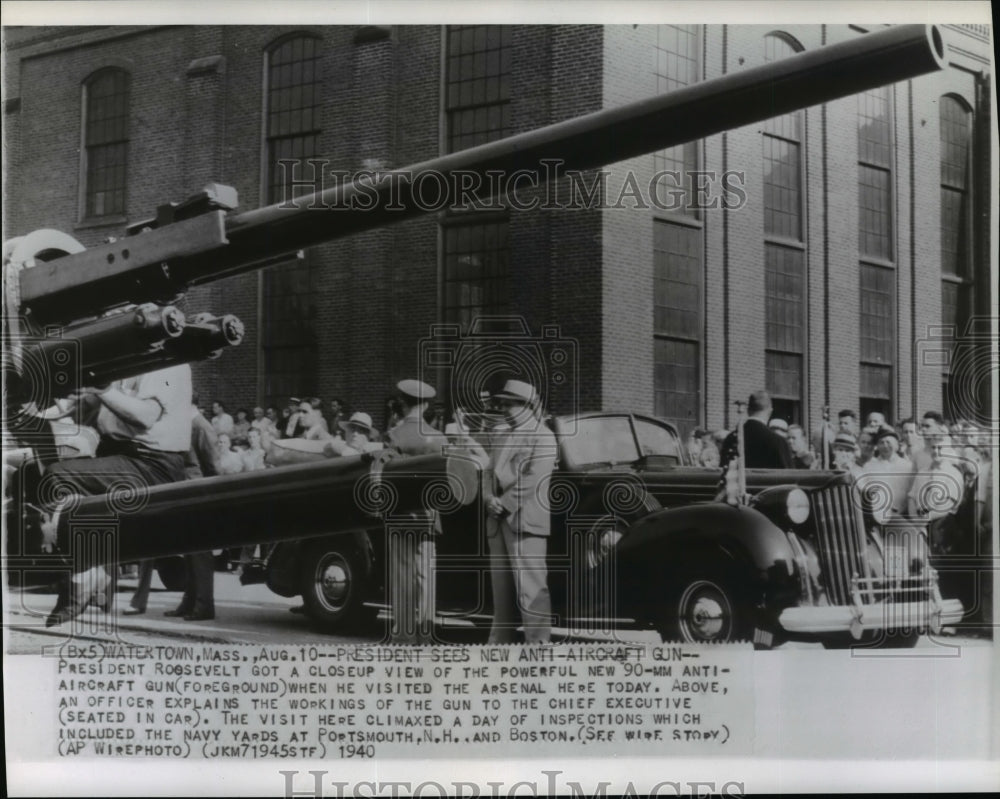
(89, 296)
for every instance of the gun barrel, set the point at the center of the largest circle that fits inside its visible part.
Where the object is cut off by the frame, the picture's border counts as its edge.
(603, 137)
(203, 249)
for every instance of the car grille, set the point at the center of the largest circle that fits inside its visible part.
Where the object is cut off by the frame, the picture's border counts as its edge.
(840, 533)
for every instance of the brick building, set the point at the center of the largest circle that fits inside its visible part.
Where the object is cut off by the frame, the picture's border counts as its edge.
(858, 228)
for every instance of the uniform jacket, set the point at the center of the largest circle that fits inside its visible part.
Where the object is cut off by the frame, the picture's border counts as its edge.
(410, 437)
(522, 461)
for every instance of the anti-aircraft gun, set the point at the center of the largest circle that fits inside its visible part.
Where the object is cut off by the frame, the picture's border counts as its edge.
(76, 317)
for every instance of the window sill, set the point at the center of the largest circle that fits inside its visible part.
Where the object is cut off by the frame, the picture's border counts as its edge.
(101, 221)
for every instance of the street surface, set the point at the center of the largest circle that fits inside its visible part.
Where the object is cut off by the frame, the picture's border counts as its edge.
(244, 615)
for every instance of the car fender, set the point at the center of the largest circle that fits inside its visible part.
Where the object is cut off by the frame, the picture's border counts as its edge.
(747, 536)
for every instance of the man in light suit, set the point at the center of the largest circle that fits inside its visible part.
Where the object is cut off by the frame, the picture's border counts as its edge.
(518, 523)
(411, 546)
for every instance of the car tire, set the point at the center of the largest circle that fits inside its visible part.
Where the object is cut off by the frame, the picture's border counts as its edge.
(706, 607)
(333, 583)
(171, 571)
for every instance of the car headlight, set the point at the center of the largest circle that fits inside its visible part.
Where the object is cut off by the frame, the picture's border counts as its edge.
(797, 506)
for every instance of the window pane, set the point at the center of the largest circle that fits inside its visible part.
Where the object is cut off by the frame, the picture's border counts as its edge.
(288, 340)
(956, 140)
(677, 65)
(877, 314)
(676, 381)
(784, 375)
(873, 127)
(782, 188)
(106, 142)
(293, 80)
(476, 272)
(787, 126)
(677, 280)
(785, 298)
(477, 77)
(874, 212)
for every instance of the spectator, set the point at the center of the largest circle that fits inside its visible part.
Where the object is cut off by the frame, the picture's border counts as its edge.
(937, 484)
(222, 422)
(866, 447)
(875, 422)
(145, 427)
(889, 473)
(253, 455)
(200, 461)
(264, 425)
(847, 422)
(693, 444)
(845, 448)
(229, 462)
(709, 455)
(240, 428)
(358, 433)
(311, 419)
(292, 424)
(802, 456)
(779, 426)
(910, 439)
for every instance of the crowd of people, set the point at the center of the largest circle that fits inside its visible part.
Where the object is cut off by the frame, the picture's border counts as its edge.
(922, 469)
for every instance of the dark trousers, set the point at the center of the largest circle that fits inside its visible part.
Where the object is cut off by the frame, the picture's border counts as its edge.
(199, 583)
(141, 595)
(118, 463)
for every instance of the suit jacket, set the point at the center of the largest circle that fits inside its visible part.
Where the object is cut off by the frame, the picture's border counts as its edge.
(765, 449)
(521, 463)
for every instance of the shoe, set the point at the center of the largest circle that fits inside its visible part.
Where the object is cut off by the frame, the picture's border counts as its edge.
(68, 605)
(176, 612)
(134, 611)
(200, 616)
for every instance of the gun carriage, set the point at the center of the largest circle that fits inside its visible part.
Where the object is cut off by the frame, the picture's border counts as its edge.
(77, 317)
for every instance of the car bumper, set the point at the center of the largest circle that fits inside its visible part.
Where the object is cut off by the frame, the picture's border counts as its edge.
(929, 614)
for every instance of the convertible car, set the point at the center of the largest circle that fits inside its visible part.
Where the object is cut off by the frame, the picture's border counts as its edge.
(638, 541)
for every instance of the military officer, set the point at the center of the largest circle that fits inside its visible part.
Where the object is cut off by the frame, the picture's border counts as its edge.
(411, 546)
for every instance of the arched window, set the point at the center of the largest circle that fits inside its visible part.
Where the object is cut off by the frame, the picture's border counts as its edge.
(105, 142)
(956, 233)
(292, 102)
(784, 250)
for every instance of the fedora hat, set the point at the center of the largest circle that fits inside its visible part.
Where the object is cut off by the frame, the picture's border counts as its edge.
(416, 389)
(360, 420)
(518, 391)
(777, 423)
(885, 432)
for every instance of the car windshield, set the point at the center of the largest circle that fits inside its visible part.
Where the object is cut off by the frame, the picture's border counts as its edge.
(658, 440)
(603, 439)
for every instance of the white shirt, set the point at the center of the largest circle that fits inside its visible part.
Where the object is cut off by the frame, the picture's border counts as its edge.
(171, 388)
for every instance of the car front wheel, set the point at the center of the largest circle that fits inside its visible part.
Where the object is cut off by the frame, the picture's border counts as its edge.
(333, 582)
(706, 608)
